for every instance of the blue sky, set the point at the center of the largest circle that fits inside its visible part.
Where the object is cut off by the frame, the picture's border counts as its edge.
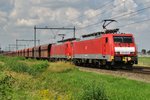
(18, 17)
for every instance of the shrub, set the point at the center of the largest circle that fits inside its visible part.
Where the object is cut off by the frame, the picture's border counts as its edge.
(2, 66)
(17, 66)
(37, 68)
(6, 88)
(93, 92)
(61, 67)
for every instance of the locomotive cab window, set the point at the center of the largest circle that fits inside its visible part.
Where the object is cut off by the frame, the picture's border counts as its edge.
(127, 39)
(117, 39)
(123, 39)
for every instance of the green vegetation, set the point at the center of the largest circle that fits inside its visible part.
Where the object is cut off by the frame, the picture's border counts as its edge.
(22, 79)
(144, 61)
(18, 64)
(5, 86)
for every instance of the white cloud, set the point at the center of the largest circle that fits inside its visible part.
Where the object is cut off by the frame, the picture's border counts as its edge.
(124, 6)
(72, 13)
(3, 19)
(73, 1)
(91, 13)
(25, 22)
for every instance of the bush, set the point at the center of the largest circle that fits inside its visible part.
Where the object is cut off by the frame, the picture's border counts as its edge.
(19, 64)
(13, 64)
(2, 67)
(61, 67)
(37, 68)
(6, 88)
(93, 92)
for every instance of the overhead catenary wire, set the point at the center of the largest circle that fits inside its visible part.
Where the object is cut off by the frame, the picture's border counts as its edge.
(96, 16)
(119, 16)
(141, 21)
(89, 26)
(105, 5)
(134, 14)
(130, 13)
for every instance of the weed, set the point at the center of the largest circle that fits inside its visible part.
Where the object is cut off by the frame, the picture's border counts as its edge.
(37, 68)
(19, 64)
(92, 91)
(61, 67)
(6, 88)
(144, 61)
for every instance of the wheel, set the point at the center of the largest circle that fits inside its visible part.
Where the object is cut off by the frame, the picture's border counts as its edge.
(108, 67)
(129, 66)
(97, 65)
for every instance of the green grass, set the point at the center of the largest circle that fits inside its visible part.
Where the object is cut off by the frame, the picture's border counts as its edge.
(18, 64)
(144, 61)
(6, 86)
(63, 81)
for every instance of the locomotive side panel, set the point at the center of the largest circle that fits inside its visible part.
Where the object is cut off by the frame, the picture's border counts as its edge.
(88, 49)
(69, 50)
(62, 51)
(58, 51)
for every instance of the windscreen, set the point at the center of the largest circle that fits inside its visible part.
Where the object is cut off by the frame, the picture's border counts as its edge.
(123, 39)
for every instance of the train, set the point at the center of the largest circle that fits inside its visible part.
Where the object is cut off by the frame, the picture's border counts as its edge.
(107, 49)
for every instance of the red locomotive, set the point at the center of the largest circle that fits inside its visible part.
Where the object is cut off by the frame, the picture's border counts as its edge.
(107, 49)
(99, 49)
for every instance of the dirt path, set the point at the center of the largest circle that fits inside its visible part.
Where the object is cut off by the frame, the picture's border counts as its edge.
(119, 73)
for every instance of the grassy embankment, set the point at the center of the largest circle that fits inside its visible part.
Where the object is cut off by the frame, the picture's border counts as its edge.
(35, 80)
(144, 61)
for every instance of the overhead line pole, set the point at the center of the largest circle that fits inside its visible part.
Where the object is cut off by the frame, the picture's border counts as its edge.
(35, 36)
(0, 48)
(17, 40)
(14, 46)
(74, 31)
(35, 28)
(41, 28)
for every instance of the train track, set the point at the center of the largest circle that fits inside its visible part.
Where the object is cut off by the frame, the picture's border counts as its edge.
(137, 69)
(138, 73)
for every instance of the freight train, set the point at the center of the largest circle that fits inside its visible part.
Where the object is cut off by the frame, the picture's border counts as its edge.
(101, 49)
